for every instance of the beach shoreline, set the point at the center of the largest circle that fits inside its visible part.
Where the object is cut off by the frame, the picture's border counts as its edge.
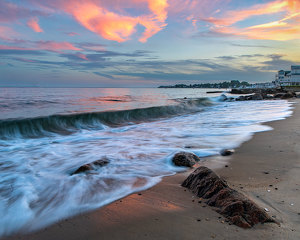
(266, 169)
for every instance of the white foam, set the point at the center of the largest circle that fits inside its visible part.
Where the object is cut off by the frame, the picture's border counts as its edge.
(35, 180)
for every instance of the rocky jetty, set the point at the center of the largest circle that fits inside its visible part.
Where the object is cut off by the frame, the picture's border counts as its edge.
(262, 94)
(185, 159)
(234, 206)
(91, 166)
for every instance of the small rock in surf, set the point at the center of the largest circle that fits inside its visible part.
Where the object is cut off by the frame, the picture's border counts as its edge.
(185, 159)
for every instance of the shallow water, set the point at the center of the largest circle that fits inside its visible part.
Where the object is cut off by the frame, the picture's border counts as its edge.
(137, 130)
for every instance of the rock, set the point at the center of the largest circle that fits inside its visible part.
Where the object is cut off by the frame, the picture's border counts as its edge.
(268, 96)
(240, 98)
(278, 95)
(91, 166)
(223, 98)
(288, 95)
(215, 92)
(226, 152)
(234, 206)
(257, 96)
(185, 159)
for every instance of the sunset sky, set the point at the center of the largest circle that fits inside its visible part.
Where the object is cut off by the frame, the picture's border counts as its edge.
(143, 43)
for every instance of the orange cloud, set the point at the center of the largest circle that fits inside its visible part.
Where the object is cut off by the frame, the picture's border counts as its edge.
(286, 28)
(33, 23)
(111, 21)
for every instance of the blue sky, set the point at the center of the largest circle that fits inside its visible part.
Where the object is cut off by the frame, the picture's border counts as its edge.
(145, 43)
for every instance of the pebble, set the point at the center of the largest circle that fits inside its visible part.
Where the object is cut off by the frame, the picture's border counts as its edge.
(269, 190)
(267, 210)
(266, 172)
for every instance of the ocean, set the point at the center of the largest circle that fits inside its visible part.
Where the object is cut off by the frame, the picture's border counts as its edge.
(48, 133)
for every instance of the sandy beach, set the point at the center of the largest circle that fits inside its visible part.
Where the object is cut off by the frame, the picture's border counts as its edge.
(266, 169)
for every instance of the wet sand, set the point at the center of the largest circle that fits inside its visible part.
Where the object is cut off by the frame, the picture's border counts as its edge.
(266, 169)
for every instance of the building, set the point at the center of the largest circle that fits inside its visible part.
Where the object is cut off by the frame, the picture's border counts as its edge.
(288, 78)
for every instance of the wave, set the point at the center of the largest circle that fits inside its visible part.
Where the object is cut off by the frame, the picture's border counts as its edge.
(68, 124)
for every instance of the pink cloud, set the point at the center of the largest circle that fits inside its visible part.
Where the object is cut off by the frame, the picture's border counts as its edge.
(55, 46)
(285, 28)
(51, 46)
(72, 34)
(33, 23)
(7, 33)
(5, 47)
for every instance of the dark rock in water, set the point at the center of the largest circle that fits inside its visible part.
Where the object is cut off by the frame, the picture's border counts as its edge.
(226, 152)
(236, 207)
(240, 98)
(278, 95)
(185, 159)
(223, 98)
(268, 96)
(91, 166)
(288, 95)
(214, 91)
(257, 96)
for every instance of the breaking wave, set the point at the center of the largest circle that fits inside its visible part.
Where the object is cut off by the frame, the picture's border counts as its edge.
(68, 124)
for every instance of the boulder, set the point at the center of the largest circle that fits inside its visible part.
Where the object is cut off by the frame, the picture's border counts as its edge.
(288, 95)
(185, 159)
(278, 95)
(91, 166)
(240, 98)
(226, 152)
(223, 98)
(234, 206)
(257, 96)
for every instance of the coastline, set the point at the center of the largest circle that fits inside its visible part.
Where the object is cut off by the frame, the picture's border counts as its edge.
(168, 211)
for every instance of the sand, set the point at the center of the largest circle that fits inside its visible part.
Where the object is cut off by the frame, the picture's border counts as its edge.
(266, 169)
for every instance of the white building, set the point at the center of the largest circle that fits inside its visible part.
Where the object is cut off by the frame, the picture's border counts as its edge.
(288, 78)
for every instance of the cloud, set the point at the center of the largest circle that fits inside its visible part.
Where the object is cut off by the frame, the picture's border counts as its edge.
(287, 27)
(33, 23)
(10, 12)
(110, 20)
(104, 75)
(71, 34)
(7, 33)
(55, 46)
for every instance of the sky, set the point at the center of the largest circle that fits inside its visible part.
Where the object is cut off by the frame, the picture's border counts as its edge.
(145, 43)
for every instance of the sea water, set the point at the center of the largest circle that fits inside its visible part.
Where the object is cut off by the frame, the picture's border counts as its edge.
(48, 133)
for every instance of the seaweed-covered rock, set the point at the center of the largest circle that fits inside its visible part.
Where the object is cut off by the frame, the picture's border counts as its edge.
(91, 166)
(236, 207)
(185, 159)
